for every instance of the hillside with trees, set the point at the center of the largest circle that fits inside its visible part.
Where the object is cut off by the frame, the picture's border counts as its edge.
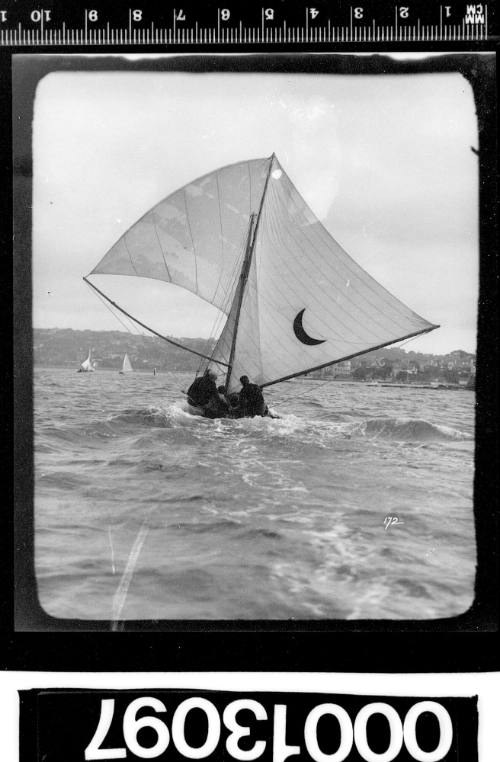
(66, 348)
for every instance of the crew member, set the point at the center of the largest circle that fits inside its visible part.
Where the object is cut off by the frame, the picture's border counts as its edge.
(232, 400)
(203, 393)
(251, 399)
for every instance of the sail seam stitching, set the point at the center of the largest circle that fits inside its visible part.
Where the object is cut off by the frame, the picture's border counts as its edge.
(130, 255)
(249, 190)
(350, 262)
(385, 297)
(192, 239)
(221, 235)
(161, 247)
(393, 313)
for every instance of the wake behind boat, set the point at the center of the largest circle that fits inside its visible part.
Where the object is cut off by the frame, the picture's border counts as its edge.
(243, 239)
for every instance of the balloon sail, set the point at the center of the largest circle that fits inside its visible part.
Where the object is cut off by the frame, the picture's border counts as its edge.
(243, 239)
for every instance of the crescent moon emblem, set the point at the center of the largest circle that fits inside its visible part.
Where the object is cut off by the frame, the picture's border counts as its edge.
(300, 333)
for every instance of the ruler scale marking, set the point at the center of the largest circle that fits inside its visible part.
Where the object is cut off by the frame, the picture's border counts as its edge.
(312, 31)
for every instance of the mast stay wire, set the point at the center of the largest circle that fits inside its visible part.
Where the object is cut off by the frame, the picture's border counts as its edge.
(117, 316)
(223, 313)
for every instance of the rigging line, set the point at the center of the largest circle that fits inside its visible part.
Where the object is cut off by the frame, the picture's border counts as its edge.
(408, 341)
(161, 247)
(130, 255)
(229, 279)
(131, 328)
(232, 280)
(112, 312)
(311, 389)
(226, 306)
(151, 330)
(192, 239)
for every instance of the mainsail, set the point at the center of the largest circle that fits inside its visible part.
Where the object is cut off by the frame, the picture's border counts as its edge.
(243, 238)
(127, 365)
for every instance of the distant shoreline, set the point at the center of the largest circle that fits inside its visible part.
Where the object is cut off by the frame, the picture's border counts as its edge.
(352, 382)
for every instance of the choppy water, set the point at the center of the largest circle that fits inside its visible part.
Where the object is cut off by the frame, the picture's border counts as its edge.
(143, 511)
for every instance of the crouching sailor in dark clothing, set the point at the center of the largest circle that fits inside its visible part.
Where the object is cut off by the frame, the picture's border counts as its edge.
(203, 393)
(251, 399)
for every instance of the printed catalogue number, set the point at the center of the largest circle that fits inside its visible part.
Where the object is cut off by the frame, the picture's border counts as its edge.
(351, 732)
(63, 725)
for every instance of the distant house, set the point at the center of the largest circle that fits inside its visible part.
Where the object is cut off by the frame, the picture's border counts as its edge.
(396, 368)
(343, 368)
(413, 367)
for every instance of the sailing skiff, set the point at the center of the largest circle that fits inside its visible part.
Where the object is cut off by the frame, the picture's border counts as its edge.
(243, 239)
(87, 365)
(127, 365)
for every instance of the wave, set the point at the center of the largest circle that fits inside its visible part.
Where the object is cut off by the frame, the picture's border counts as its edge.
(148, 416)
(291, 426)
(322, 431)
(411, 429)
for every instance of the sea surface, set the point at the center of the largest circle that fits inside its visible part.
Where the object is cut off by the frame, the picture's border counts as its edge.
(143, 511)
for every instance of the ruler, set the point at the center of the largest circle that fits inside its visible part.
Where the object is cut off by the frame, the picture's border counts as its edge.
(363, 22)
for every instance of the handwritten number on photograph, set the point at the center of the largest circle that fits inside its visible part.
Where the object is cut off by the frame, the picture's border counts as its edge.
(392, 521)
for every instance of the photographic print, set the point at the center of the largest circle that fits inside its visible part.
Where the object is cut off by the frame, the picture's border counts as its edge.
(254, 318)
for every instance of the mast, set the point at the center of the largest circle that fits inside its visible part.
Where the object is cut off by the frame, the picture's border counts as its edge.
(241, 289)
(151, 330)
(245, 269)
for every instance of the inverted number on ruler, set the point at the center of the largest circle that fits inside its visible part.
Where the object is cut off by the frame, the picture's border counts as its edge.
(40, 15)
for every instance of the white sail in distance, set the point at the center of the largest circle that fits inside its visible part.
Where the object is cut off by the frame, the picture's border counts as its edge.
(243, 238)
(87, 365)
(127, 365)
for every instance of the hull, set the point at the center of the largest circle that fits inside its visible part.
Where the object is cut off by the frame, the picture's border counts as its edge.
(203, 413)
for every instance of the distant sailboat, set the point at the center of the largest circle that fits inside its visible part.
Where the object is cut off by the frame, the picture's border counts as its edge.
(87, 365)
(243, 239)
(127, 365)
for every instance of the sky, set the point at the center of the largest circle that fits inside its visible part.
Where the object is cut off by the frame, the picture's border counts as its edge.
(383, 161)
